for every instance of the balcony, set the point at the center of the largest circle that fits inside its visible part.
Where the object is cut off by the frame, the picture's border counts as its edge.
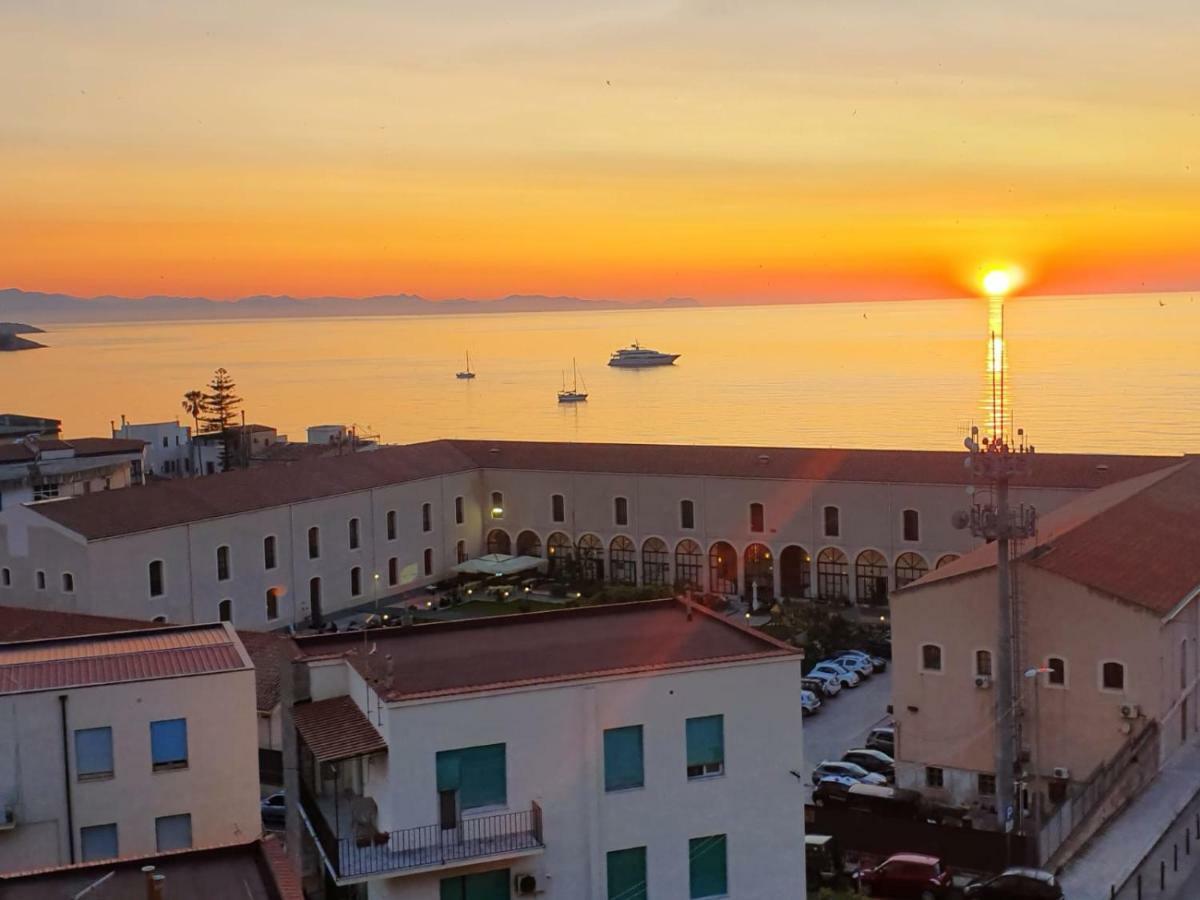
(356, 854)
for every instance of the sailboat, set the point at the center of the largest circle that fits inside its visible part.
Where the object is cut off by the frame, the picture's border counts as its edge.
(466, 373)
(574, 395)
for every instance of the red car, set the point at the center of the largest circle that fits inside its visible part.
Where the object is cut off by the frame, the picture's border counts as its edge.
(907, 876)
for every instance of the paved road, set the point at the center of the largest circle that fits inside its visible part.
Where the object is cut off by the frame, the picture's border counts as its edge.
(843, 723)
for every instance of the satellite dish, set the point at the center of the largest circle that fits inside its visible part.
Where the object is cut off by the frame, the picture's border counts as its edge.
(960, 520)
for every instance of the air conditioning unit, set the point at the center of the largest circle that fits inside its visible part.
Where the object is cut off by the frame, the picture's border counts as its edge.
(525, 885)
(982, 682)
(1062, 773)
(1130, 711)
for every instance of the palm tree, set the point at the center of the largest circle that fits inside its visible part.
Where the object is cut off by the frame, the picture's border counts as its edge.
(193, 405)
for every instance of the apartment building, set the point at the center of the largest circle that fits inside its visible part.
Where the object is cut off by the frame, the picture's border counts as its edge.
(603, 752)
(37, 468)
(170, 450)
(125, 744)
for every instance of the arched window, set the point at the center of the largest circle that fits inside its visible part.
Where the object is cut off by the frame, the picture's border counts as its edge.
(946, 560)
(272, 604)
(931, 658)
(428, 561)
(269, 561)
(1057, 676)
(390, 524)
(393, 567)
(352, 527)
(656, 566)
(1112, 676)
(833, 575)
(912, 525)
(460, 551)
(795, 571)
(558, 508)
(871, 578)
(427, 517)
(558, 553)
(688, 564)
(459, 511)
(225, 611)
(314, 602)
(155, 572)
(222, 563)
(687, 514)
(833, 522)
(6, 577)
(983, 663)
(759, 574)
(591, 558)
(529, 544)
(39, 579)
(68, 583)
(910, 567)
(622, 556)
(621, 511)
(722, 568)
(314, 543)
(497, 505)
(498, 541)
(355, 581)
(757, 518)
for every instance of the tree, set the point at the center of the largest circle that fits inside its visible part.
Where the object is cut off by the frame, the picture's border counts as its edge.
(221, 404)
(193, 405)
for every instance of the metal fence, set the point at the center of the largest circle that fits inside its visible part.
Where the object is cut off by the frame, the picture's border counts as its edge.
(1163, 871)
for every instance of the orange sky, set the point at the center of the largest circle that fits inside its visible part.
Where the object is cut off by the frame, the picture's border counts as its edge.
(751, 151)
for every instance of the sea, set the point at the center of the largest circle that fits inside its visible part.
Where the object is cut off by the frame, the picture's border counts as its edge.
(1117, 374)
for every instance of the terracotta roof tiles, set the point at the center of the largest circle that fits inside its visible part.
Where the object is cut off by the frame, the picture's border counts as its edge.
(336, 729)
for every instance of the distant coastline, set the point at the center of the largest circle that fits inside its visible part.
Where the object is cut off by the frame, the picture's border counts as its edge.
(11, 341)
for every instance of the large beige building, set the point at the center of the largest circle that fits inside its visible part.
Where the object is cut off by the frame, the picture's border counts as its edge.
(1108, 603)
(285, 544)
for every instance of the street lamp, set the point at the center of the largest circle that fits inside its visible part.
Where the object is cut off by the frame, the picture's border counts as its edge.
(1035, 756)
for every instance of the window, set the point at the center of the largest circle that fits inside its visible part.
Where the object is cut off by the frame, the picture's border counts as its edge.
(707, 870)
(391, 524)
(272, 604)
(222, 563)
(459, 514)
(983, 663)
(427, 517)
(460, 551)
(756, 517)
(498, 541)
(910, 567)
(986, 785)
(623, 768)
(477, 776)
(626, 871)
(173, 832)
(705, 746)
(6, 577)
(155, 571)
(269, 562)
(871, 578)
(491, 885)
(621, 511)
(44, 491)
(946, 560)
(168, 744)
(931, 658)
(622, 557)
(558, 508)
(688, 564)
(1112, 676)
(355, 581)
(935, 777)
(352, 526)
(393, 571)
(165, 444)
(912, 525)
(314, 596)
(833, 575)
(314, 543)
(656, 565)
(497, 505)
(98, 842)
(39, 579)
(68, 583)
(428, 561)
(722, 568)
(1057, 676)
(833, 522)
(687, 514)
(225, 611)
(93, 753)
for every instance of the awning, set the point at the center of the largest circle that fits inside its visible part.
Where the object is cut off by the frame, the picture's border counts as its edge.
(336, 729)
(499, 564)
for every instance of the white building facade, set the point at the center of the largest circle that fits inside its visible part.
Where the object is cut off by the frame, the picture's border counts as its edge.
(170, 452)
(34, 469)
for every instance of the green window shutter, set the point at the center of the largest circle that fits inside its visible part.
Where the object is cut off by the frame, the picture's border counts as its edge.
(452, 889)
(491, 885)
(707, 875)
(623, 766)
(706, 741)
(448, 771)
(627, 874)
(479, 774)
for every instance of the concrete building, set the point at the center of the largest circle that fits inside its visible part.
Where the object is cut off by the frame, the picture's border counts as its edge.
(15, 427)
(1108, 603)
(285, 544)
(601, 753)
(34, 469)
(169, 449)
(125, 744)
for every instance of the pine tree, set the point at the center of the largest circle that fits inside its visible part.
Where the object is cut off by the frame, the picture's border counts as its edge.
(221, 404)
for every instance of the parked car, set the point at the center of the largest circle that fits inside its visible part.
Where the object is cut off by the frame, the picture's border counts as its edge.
(843, 675)
(873, 761)
(1017, 884)
(826, 685)
(871, 799)
(855, 774)
(860, 664)
(809, 704)
(883, 738)
(274, 810)
(907, 876)
(878, 663)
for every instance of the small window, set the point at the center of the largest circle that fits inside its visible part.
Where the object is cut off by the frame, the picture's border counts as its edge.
(272, 604)
(93, 753)
(352, 527)
(459, 512)
(986, 785)
(707, 867)
(6, 577)
(497, 505)
(393, 571)
(558, 508)
(314, 543)
(98, 842)
(165, 444)
(173, 832)
(391, 524)
(427, 517)
(269, 561)
(833, 523)
(623, 765)
(428, 561)
(1112, 676)
(687, 514)
(935, 777)
(931, 658)
(912, 525)
(626, 874)
(1057, 676)
(168, 744)
(39, 579)
(68, 583)
(705, 746)
(477, 775)
(983, 663)
(314, 593)
(621, 511)
(460, 551)
(355, 581)
(222, 563)
(225, 611)
(756, 518)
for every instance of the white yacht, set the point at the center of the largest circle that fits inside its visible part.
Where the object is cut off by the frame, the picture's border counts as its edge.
(466, 373)
(574, 395)
(639, 357)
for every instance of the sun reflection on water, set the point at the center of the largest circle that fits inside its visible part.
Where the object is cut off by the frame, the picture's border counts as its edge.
(997, 390)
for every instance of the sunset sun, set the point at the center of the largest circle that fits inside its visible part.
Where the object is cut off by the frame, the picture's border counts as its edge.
(998, 282)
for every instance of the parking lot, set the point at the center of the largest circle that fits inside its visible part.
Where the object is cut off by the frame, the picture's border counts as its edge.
(843, 723)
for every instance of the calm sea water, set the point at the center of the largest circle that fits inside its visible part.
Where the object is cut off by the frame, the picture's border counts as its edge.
(1089, 373)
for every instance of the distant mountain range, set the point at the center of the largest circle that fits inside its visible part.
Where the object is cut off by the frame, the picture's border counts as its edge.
(42, 307)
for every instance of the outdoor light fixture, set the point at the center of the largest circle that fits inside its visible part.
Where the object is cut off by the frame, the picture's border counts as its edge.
(497, 512)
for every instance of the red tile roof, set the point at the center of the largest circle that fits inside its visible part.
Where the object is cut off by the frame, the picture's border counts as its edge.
(543, 648)
(1138, 541)
(19, 451)
(269, 651)
(336, 729)
(57, 663)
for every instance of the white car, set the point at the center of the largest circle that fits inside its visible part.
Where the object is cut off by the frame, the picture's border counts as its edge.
(841, 674)
(825, 685)
(809, 703)
(864, 667)
(840, 770)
